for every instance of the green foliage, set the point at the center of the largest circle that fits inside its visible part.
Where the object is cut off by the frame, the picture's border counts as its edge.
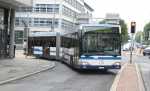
(104, 31)
(102, 22)
(124, 32)
(146, 33)
(138, 36)
(147, 27)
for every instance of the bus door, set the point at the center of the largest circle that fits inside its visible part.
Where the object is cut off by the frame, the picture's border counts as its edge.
(100, 47)
(91, 48)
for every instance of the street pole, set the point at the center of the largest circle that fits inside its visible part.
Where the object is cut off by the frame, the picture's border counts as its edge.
(149, 36)
(131, 49)
(26, 33)
(141, 38)
(133, 28)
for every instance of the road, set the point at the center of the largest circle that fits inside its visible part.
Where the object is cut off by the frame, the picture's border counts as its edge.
(144, 65)
(62, 78)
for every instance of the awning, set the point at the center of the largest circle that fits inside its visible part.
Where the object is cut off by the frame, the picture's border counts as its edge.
(15, 3)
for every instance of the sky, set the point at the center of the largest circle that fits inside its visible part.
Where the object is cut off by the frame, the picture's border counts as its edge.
(129, 10)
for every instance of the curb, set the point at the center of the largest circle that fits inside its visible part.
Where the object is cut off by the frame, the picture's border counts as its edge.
(27, 75)
(115, 83)
(140, 80)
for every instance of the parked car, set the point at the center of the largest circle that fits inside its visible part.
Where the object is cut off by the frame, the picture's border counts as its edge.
(146, 51)
(126, 47)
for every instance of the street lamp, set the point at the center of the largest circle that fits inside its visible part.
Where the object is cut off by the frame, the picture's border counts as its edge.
(26, 33)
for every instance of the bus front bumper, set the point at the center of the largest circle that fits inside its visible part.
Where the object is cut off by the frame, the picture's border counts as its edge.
(99, 66)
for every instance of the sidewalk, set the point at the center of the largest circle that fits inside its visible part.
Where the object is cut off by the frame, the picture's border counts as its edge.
(138, 52)
(128, 79)
(21, 67)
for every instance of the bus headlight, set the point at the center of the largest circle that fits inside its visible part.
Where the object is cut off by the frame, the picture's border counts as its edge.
(83, 63)
(117, 63)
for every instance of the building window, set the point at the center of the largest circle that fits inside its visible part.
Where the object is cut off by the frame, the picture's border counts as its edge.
(37, 9)
(68, 12)
(22, 21)
(17, 21)
(75, 4)
(43, 8)
(24, 9)
(67, 26)
(36, 22)
(45, 22)
(18, 37)
(47, 8)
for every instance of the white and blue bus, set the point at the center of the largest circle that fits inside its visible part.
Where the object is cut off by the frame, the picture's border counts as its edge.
(95, 46)
(100, 47)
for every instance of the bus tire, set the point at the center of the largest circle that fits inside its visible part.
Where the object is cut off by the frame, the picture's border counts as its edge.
(71, 61)
(105, 70)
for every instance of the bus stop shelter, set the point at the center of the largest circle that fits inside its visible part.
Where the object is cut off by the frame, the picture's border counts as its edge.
(7, 23)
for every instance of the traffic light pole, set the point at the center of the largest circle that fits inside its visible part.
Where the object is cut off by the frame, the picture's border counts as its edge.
(133, 28)
(131, 50)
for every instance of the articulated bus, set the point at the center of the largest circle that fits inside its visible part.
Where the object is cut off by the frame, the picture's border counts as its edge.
(44, 45)
(95, 46)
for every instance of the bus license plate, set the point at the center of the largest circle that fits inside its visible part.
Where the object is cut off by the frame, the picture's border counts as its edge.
(101, 67)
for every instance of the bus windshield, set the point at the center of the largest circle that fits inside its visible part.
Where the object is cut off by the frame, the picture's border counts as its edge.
(101, 43)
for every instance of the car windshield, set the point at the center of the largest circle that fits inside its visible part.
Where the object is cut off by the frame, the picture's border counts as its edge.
(148, 48)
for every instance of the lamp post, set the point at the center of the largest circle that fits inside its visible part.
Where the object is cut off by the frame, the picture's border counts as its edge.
(26, 33)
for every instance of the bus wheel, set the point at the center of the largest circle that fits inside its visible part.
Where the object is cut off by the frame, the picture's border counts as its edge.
(105, 70)
(71, 60)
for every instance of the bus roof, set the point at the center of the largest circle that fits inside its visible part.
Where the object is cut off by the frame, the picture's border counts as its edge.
(99, 25)
(42, 34)
(91, 27)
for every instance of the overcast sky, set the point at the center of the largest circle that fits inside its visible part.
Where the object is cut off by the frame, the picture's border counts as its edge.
(129, 10)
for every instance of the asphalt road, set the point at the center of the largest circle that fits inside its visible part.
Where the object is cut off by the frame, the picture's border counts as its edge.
(144, 65)
(63, 78)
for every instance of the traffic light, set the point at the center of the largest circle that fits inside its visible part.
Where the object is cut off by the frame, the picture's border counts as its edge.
(133, 27)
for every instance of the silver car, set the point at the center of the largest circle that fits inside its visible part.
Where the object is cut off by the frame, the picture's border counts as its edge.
(146, 51)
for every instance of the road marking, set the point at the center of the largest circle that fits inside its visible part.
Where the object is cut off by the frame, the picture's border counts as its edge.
(140, 79)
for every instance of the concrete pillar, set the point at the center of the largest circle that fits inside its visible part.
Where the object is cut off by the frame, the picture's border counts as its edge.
(12, 33)
(58, 46)
(6, 15)
(59, 26)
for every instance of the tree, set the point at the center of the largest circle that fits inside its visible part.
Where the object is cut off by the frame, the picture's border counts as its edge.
(102, 22)
(146, 33)
(124, 32)
(138, 36)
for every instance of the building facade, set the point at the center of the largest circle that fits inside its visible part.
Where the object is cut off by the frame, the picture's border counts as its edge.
(86, 16)
(49, 15)
(7, 20)
(112, 18)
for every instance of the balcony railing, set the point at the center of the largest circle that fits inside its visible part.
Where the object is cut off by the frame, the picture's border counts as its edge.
(84, 15)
